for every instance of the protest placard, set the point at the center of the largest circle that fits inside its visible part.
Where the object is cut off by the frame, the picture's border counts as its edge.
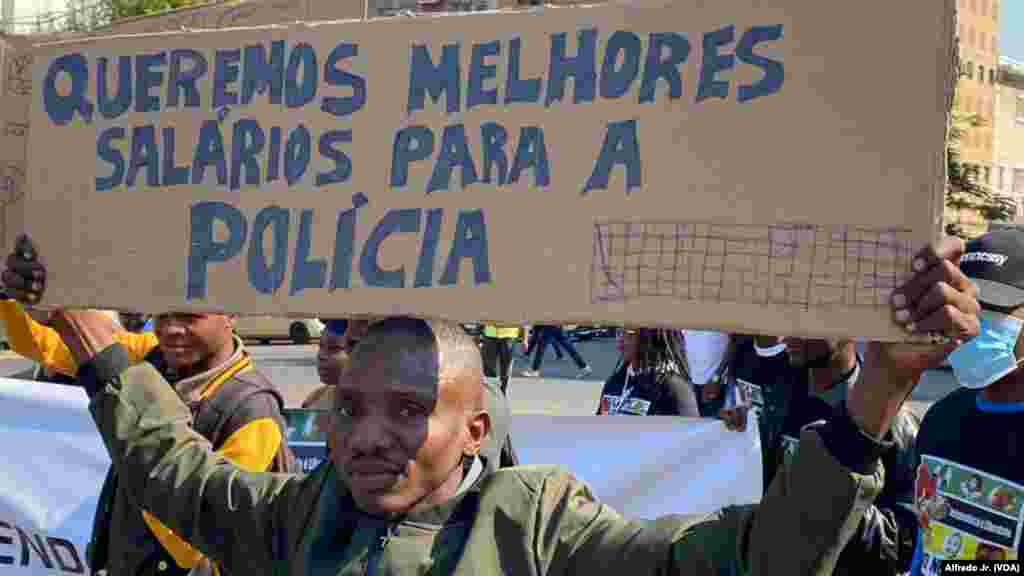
(15, 104)
(735, 165)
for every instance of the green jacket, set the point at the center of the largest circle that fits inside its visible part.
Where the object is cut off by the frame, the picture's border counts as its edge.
(528, 520)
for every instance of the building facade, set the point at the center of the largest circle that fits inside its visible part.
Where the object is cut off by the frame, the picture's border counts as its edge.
(979, 64)
(978, 35)
(1008, 173)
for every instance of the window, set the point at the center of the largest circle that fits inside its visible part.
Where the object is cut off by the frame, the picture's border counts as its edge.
(968, 70)
(1000, 176)
(992, 76)
(1018, 181)
(988, 174)
(971, 37)
(974, 5)
(1020, 109)
(984, 7)
(981, 74)
(995, 8)
(982, 42)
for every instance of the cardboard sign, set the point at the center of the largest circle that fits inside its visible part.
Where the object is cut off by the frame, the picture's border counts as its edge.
(727, 165)
(15, 103)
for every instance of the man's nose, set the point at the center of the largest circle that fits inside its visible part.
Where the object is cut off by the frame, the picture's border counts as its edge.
(369, 434)
(170, 325)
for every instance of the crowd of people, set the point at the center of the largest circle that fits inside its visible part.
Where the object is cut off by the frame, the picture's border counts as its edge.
(422, 475)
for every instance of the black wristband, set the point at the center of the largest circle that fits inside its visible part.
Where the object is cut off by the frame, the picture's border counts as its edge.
(104, 367)
(850, 445)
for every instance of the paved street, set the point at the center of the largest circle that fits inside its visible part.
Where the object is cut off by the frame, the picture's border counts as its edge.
(559, 392)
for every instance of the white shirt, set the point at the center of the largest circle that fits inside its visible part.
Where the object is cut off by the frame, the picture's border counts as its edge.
(704, 353)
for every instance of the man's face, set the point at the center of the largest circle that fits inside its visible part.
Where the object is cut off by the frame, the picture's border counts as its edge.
(191, 340)
(402, 427)
(804, 352)
(331, 357)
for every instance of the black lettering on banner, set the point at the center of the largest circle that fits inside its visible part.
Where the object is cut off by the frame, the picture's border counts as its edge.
(31, 548)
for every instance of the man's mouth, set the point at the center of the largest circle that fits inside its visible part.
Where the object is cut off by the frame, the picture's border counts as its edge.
(373, 475)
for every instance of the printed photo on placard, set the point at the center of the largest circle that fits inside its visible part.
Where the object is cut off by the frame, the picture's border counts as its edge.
(965, 514)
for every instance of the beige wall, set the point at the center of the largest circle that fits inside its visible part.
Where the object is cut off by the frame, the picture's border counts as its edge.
(1009, 134)
(979, 56)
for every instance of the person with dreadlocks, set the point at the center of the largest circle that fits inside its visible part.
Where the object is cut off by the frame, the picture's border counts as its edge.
(650, 379)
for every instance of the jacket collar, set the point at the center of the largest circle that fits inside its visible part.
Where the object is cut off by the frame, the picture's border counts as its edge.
(337, 515)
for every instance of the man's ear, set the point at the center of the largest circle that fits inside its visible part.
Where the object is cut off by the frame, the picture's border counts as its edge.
(479, 426)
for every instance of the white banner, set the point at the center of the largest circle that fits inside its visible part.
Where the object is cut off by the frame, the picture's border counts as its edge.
(55, 462)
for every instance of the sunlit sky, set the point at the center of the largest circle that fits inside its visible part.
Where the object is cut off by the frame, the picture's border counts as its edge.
(1012, 35)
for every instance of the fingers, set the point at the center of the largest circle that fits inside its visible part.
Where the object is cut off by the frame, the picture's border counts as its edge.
(939, 298)
(942, 272)
(22, 288)
(27, 268)
(950, 248)
(950, 321)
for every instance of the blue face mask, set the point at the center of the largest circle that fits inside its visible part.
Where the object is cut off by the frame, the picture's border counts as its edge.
(989, 356)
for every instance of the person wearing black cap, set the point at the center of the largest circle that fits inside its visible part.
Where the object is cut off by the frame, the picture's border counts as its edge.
(978, 430)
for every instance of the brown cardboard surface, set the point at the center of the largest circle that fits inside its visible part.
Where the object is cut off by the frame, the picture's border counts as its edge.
(15, 84)
(794, 211)
(15, 103)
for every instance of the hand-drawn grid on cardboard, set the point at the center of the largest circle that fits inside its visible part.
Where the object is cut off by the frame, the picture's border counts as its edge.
(801, 265)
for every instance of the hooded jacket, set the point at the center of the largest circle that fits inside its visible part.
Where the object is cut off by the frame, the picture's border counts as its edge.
(525, 520)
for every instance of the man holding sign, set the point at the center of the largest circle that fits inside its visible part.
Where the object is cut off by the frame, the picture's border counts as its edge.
(404, 492)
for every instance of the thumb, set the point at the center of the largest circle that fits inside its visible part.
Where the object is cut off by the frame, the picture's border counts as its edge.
(938, 355)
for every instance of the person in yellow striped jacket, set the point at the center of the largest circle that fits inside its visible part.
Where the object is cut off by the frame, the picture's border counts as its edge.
(209, 367)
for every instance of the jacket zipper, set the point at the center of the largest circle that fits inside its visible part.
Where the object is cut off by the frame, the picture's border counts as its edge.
(381, 542)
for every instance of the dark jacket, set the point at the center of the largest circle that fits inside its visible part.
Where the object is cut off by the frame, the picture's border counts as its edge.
(884, 541)
(652, 393)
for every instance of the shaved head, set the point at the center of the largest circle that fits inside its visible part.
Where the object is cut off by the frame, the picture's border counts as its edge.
(410, 410)
(429, 348)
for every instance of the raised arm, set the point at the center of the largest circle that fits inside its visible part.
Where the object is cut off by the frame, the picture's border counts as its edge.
(816, 502)
(884, 541)
(811, 510)
(42, 344)
(227, 513)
